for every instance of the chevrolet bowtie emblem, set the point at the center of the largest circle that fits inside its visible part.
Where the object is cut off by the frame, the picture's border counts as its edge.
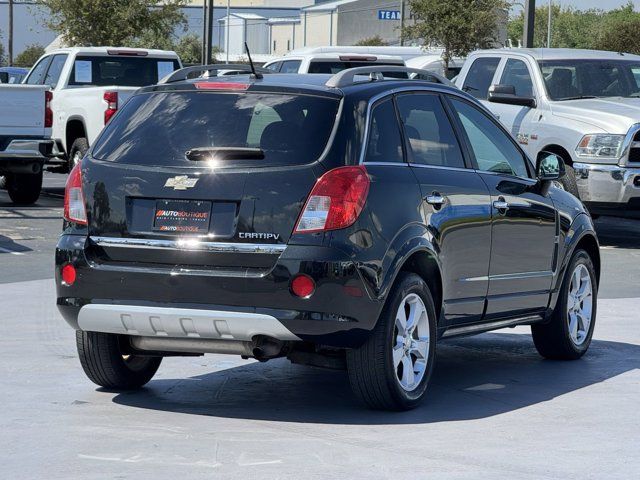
(180, 182)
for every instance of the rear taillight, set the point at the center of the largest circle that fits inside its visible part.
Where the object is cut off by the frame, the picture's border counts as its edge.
(336, 200)
(74, 210)
(112, 105)
(48, 113)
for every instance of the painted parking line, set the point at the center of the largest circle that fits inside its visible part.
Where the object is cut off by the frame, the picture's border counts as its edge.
(12, 252)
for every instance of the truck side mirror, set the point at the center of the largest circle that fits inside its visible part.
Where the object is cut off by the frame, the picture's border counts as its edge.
(507, 94)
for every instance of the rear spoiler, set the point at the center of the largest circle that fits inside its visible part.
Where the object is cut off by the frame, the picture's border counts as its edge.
(199, 70)
(375, 73)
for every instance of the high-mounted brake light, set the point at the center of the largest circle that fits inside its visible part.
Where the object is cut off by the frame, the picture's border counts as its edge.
(336, 200)
(221, 86)
(74, 210)
(357, 58)
(48, 113)
(128, 53)
(112, 105)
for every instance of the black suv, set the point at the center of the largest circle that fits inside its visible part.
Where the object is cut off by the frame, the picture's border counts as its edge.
(346, 221)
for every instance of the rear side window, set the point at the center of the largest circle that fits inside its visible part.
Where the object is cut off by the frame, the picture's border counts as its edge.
(290, 66)
(159, 128)
(479, 76)
(517, 74)
(36, 76)
(55, 69)
(431, 138)
(120, 71)
(385, 142)
(274, 66)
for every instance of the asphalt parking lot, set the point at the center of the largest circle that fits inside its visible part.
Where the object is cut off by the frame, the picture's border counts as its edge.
(496, 409)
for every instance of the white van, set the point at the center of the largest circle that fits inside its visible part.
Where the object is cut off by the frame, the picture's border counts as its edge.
(329, 62)
(433, 62)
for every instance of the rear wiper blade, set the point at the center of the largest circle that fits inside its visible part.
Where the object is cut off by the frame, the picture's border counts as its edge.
(224, 153)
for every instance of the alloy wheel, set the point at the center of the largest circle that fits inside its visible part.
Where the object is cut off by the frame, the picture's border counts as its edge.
(579, 304)
(410, 340)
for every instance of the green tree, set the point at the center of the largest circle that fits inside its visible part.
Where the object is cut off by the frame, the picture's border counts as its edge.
(458, 26)
(114, 22)
(2, 59)
(375, 41)
(29, 55)
(619, 31)
(189, 49)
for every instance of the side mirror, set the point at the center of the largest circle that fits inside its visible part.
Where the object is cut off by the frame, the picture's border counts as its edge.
(4, 77)
(507, 94)
(549, 167)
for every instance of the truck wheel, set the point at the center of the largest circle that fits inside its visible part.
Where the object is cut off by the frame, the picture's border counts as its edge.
(569, 181)
(78, 149)
(391, 371)
(24, 188)
(103, 362)
(568, 335)
(3, 182)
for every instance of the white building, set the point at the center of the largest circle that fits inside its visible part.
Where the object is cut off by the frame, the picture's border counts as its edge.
(244, 27)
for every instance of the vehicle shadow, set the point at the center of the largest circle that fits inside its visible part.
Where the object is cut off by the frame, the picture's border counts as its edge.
(618, 232)
(475, 378)
(7, 246)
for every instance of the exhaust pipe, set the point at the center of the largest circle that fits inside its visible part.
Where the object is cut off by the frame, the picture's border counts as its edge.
(261, 347)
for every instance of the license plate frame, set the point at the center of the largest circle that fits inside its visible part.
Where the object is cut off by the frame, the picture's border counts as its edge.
(182, 216)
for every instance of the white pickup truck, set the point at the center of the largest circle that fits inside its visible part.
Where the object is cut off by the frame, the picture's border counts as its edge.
(89, 84)
(583, 105)
(25, 139)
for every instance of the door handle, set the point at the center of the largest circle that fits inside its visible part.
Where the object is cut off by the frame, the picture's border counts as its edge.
(435, 199)
(501, 205)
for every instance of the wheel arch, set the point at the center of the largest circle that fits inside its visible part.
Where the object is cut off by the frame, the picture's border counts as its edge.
(589, 244)
(424, 264)
(75, 129)
(559, 150)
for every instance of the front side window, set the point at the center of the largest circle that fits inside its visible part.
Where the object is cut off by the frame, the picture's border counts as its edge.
(570, 79)
(431, 138)
(37, 74)
(385, 142)
(517, 74)
(494, 151)
(480, 76)
(55, 69)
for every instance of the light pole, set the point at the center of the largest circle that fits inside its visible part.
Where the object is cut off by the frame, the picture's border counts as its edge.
(549, 27)
(10, 32)
(529, 16)
(228, 27)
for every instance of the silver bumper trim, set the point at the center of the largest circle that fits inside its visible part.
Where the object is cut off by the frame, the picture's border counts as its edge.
(180, 323)
(606, 183)
(188, 244)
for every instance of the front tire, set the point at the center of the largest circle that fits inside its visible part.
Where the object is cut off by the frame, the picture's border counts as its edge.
(391, 371)
(568, 335)
(103, 362)
(568, 182)
(24, 188)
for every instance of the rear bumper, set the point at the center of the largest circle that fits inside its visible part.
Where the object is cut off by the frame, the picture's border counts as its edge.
(26, 155)
(139, 300)
(609, 188)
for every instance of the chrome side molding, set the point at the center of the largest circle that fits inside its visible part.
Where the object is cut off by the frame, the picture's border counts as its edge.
(190, 244)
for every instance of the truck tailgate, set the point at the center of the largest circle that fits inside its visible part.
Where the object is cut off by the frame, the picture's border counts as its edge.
(22, 110)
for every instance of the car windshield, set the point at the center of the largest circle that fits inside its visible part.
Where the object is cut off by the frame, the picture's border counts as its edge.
(571, 79)
(178, 128)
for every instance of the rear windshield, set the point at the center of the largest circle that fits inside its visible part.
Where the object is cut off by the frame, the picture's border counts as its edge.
(335, 66)
(120, 71)
(159, 128)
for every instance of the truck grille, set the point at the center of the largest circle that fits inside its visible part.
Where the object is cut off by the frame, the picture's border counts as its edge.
(634, 151)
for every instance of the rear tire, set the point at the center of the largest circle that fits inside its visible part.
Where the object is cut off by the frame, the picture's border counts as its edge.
(103, 362)
(78, 150)
(24, 188)
(377, 370)
(566, 337)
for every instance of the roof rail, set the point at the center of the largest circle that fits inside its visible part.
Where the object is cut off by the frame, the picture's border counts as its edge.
(198, 70)
(347, 77)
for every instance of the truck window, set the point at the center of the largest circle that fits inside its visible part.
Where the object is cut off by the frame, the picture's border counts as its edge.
(38, 72)
(336, 66)
(55, 69)
(517, 74)
(479, 76)
(119, 71)
(290, 66)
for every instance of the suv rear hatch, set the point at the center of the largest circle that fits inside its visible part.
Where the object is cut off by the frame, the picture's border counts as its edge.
(184, 177)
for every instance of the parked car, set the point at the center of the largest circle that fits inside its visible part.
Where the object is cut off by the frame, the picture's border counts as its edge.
(329, 62)
(333, 221)
(12, 74)
(25, 139)
(405, 53)
(89, 84)
(583, 105)
(434, 63)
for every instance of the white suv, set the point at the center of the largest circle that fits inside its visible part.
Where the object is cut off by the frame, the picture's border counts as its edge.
(581, 104)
